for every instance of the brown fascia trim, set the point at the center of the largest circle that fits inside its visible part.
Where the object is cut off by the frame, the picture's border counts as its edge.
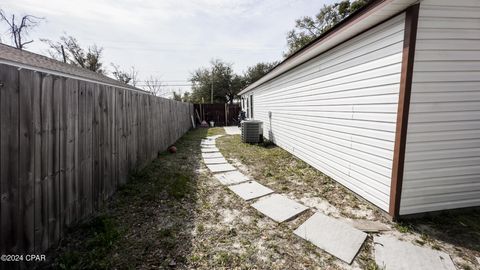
(349, 20)
(410, 37)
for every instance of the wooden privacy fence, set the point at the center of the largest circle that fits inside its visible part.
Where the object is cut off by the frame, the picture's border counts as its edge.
(66, 145)
(222, 114)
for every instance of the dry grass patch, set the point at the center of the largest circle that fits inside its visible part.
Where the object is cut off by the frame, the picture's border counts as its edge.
(173, 214)
(456, 234)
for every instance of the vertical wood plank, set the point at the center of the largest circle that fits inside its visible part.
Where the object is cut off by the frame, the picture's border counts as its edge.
(9, 212)
(46, 157)
(82, 160)
(121, 135)
(70, 166)
(131, 127)
(111, 140)
(38, 195)
(103, 145)
(100, 179)
(89, 164)
(76, 171)
(54, 166)
(96, 193)
(26, 209)
(63, 120)
(134, 130)
(128, 128)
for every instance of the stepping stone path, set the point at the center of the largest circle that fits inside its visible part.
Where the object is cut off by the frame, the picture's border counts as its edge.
(342, 238)
(210, 150)
(209, 146)
(230, 178)
(250, 190)
(225, 167)
(393, 254)
(212, 155)
(219, 160)
(335, 237)
(279, 207)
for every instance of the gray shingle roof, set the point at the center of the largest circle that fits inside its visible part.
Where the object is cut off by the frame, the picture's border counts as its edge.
(14, 56)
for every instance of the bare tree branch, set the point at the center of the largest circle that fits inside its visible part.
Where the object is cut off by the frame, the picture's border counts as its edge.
(154, 86)
(89, 58)
(126, 77)
(134, 76)
(19, 31)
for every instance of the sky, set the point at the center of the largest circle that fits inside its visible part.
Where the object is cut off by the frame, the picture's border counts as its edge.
(168, 39)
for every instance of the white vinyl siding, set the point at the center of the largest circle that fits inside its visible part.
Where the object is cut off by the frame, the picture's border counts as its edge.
(442, 159)
(337, 112)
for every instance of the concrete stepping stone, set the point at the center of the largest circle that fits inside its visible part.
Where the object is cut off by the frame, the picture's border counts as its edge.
(250, 190)
(368, 226)
(394, 254)
(208, 146)
(208, 143)
(225, 167)
(215, 160)
(230, 178)
(210, 150)
(279, 207)
(212, 155)
(334, 236)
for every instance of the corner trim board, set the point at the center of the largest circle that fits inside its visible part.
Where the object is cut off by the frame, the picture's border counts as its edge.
(410, 37)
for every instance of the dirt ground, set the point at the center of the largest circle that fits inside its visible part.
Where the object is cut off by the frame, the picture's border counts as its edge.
(456, 234)
(173, 214)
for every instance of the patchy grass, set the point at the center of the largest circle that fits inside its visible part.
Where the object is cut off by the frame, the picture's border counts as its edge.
(173, 214)
(215, 131)
(402, 227)
(103, 233)
(281, 171)
(457, 234)
(148, 222)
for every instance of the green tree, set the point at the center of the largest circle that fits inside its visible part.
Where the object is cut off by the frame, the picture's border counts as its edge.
(221, 78)
(177, 96)
(308, 28)
(186, 97)
(257, 71)
(68, 49)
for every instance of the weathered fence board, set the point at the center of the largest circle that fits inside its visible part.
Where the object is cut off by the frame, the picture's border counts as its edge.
(25, 237)
(9, 212)
(66, 145)
(38, 200)
(62, 198)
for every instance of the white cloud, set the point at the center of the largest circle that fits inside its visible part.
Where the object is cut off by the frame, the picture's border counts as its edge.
(170, 38)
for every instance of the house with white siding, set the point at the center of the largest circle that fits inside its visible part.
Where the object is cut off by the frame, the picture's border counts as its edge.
(387, 103)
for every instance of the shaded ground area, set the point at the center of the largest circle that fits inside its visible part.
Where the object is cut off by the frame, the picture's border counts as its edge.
(457, 234)
(147, 223)
(173, 214)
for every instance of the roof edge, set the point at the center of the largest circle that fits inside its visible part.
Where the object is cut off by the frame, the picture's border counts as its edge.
(304, 50)
(14, 57)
